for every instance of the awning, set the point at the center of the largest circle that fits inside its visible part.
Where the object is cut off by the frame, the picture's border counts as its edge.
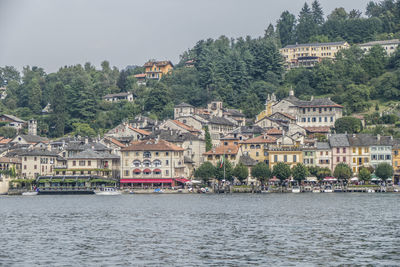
(147, 171)
(156, 170)
(145, 181)
(137, 171)
(182, 180)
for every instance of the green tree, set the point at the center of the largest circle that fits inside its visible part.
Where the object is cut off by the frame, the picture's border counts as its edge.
(241, 172)
(286, 27)
(364, 174)
(384, 171)
(8, 132)
(58, 117)
(35, 97)
(220, 169)
(83, 129)
(342, 172)
(317, 13)
(374, 61)
(348, 124)
(207, 137)
(299, 172)
(306, 26)
(323, 172)
(281, 171)
(261, 171)
(205, 172)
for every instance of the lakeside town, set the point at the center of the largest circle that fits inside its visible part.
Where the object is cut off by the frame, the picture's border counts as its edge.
(290, 143)
(309, 106)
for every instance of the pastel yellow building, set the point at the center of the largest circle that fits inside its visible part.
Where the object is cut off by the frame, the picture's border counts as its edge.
(293, 54)
(156, 69)
(255, 147)
(396, 162)
(289, 155)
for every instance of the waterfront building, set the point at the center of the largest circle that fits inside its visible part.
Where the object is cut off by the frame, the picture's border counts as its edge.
(360, 150)
(37, 163)
(11, 164)
(381, 150)
(153, 161)
(323, 155)
(290, 155)
(396, 160)
(91, 163)
(154, 70)
(310, 155)
(389, 46)
(340, 146)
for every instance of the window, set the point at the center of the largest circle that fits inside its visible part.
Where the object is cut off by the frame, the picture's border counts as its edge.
(294, 158)
(321, 153)
(257, 154)
(314, 119)
(157, 163)
(275, 158)
(344, 150)
(147, 154)
(89, 163)
(344, 159)
(331, 119)
(166, 153)
(81, 163)
(354, 160)
(326, 153)
(167, 172)
(146, 163)
(388, 157)
(24, 167)
(136, 163)
(337, 150)
(25, 159)
(156, 153)
(74, 163)
(320, 119)
(285, 158)
(251, 146)
(326, 119)
(166, 162)
(35, 167)
(258, 147)
(337, 159)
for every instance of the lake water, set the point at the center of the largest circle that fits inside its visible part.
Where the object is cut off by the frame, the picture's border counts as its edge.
(192, 230)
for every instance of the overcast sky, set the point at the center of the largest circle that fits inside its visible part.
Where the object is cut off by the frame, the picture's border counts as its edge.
(54, 33)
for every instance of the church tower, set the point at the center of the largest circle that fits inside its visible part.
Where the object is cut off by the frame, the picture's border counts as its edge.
(32, 127)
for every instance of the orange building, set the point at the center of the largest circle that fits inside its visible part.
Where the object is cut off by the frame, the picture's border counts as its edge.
(156, 69)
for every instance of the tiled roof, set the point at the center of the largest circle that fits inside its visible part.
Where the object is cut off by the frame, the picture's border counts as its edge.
(140, 75)
(158, 63)
(12, 117)
(338, 140)
(274, 131)
(285, 115)
(218, 120)
(152, 145)
(79, 146)
(255, 129)
(315, 44)
(323, 146)
(262, 139)
(172, 136)
(316, 102)
(221, 150)
(115, 142)
(142, 132)
(184, 105)
(4, 141)
(33, 138)
(9, 160)
(186, 127)
(91, 154)
(384, 42)
(234, 113)
(321, 129)
(39, 152)
(187, 160)
(369, 140)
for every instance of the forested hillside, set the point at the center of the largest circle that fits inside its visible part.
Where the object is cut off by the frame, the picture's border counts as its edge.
(241, 72)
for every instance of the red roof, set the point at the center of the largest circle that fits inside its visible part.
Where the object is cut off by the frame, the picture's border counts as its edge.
(115, 142)
(321, 129)
(141, 75)
(274, 131)
(221, 150)
(260, 140)
(186, 127)
(145, 181)
(182, 180)
(144, 132)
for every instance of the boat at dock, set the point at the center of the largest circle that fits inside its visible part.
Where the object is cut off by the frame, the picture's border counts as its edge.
(328, 189)
(316, 190)
(107, 191)
(30, 193)
(296, 189)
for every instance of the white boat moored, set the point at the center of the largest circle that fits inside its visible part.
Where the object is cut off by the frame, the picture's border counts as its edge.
(30, 193)
(107, 191)
(296, 189)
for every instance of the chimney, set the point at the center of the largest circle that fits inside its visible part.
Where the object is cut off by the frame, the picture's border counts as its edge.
(378, 136)
(291, 92)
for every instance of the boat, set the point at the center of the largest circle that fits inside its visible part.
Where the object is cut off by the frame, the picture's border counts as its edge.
(371, 191)
(107, 191)
(316, 190)
(296, 189)
(338, 189)
(30, 193)
(158, 190)
(328, 189)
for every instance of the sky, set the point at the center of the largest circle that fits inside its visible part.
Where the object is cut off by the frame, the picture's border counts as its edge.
(55, 33)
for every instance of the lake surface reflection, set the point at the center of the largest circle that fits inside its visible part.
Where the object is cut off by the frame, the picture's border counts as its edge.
(192, 230)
